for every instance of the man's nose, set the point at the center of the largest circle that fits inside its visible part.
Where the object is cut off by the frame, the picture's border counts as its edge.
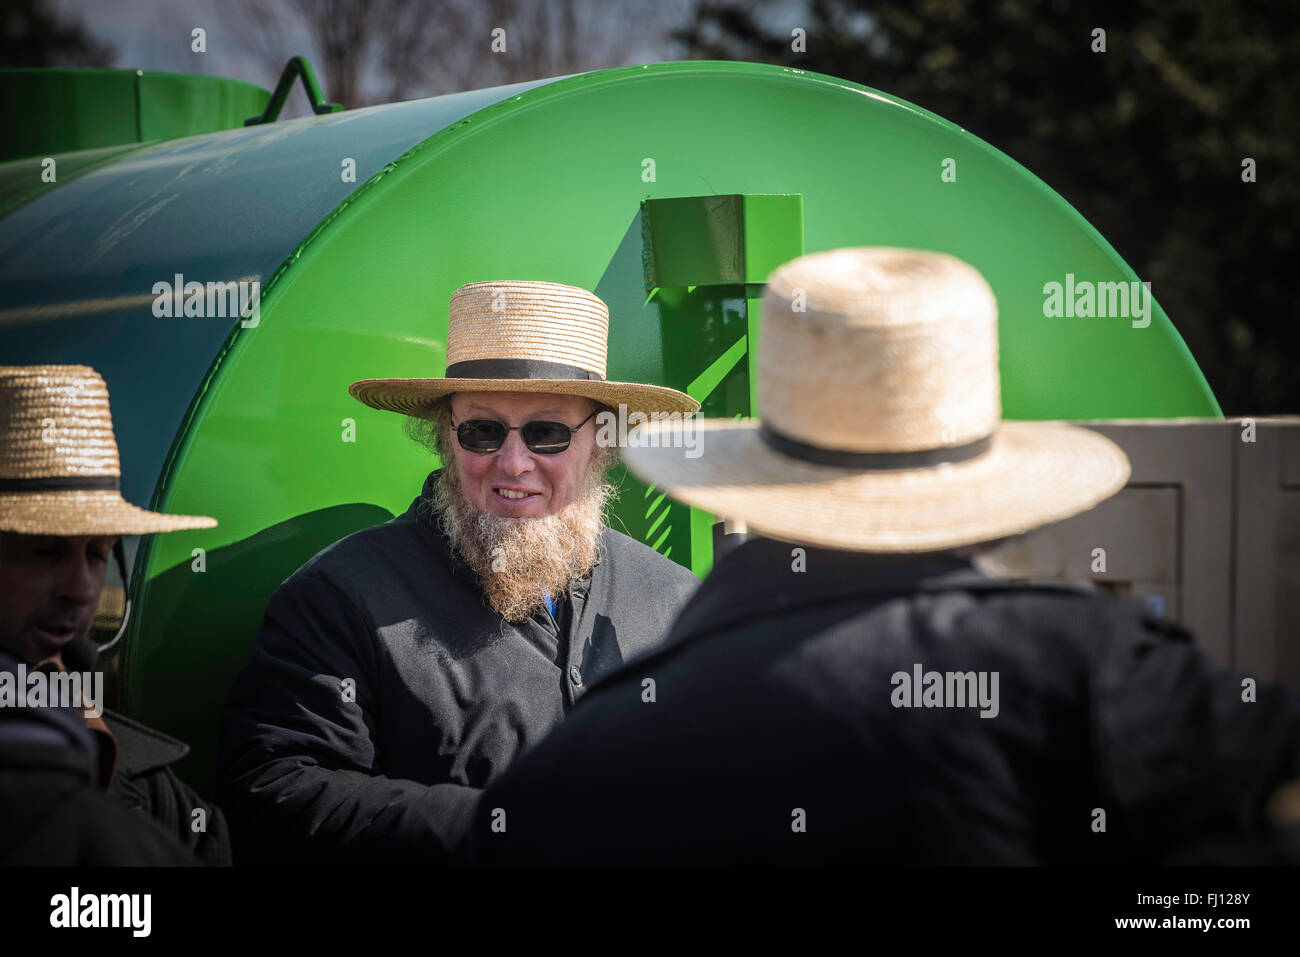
(514, 457)
(77, 581)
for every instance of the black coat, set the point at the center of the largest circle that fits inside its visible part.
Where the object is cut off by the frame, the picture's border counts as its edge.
(144, 780)
(53, 809)
(383, 693)
(777, 732)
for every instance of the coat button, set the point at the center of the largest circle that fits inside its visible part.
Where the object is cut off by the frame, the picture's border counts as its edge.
(575, 675)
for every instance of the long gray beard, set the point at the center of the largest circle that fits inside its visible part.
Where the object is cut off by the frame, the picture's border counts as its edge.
(518, 559)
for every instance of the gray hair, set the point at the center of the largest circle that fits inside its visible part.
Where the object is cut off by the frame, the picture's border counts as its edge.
(432, 428)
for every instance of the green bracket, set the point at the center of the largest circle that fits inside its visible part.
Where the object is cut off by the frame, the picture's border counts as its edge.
(736, 241)
(721, 241)
(296, 67)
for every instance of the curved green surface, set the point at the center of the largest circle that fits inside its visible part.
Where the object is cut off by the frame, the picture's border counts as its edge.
(78, 262)
(548, 185)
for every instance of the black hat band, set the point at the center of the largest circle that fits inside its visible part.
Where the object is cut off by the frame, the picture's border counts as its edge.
(519, 369)
(922, 458)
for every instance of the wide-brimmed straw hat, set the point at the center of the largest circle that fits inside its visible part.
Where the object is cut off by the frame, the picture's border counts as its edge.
(514, 336)
(881, 424)
(59, 469)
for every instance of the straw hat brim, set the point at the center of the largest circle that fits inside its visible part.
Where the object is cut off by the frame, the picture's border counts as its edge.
(414, 396)
(87, 513)
(1034, 473)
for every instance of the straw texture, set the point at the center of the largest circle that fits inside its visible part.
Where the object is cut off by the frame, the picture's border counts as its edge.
(55, 423)
(528, 320)
(524, 321)
(891, 352)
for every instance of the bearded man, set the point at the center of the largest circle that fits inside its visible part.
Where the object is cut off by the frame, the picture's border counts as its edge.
(403, 668)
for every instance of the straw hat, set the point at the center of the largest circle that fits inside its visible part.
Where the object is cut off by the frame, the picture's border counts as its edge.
(59, 469)
(523, 337)
(881, 428)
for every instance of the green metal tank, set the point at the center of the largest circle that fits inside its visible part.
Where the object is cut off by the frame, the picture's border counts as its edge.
(671, 190)
(47, 112)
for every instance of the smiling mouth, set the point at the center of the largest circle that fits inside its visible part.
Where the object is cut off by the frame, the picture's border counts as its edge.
(514, 495)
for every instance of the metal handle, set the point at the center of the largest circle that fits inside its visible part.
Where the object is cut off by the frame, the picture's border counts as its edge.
(297, 66)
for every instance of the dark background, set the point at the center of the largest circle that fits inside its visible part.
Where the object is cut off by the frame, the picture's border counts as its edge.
(1146, 139)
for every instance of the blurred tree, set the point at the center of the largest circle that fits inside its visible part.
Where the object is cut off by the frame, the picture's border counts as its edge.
(378, 51)
(1146, 140)
(32, 34)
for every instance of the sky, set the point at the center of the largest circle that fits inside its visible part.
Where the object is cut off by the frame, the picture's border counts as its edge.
(156, 35)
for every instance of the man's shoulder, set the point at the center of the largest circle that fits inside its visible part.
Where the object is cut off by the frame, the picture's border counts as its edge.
(1081, 612)
(626, 553)
(1065, 622)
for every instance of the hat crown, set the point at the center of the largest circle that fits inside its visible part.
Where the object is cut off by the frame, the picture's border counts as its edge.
(55, 422)
(525, 320)
(877, 349)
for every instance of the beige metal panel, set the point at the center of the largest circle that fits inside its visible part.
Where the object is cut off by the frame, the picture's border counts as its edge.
(1207, 532)
(1291, 462)
(1137, 531)
(1267, 611)
(1196, 456)
(1208, 528)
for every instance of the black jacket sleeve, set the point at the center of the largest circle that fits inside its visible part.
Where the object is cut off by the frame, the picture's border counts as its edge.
(1189, 755)
(298, 771)
(172, 803)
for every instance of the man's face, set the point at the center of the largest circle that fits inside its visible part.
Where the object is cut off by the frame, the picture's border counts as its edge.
(49, 590)
(549, 482)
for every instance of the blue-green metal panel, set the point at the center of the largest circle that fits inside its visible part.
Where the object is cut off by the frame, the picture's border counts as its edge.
(78, 265)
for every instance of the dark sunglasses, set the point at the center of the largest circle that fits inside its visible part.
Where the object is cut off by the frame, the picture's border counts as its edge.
(488, 435)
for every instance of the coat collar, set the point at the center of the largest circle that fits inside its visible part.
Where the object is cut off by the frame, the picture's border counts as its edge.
(141, 749)
(762, 577)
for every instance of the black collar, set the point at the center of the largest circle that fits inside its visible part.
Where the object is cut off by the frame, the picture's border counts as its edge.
(140, 748)
(767, 574)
